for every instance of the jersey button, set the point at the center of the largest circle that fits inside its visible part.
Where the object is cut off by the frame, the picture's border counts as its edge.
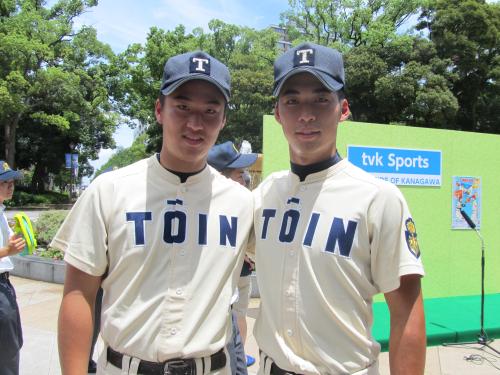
(173, 331)
(182, 252)
(292, 253)
(303, 188)
(289, 332)
(178, 291)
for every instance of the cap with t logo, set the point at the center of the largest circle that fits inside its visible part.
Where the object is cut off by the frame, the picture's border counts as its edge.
(324, 63)
(7, 173)
(180, 69)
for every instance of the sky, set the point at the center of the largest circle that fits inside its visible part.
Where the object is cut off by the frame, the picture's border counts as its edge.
(120, 23)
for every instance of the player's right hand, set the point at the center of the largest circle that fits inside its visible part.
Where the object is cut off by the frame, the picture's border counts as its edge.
(16, 244)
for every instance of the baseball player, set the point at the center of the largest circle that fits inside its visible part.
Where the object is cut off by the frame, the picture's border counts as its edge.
(169, 237)
(328, 238)
(11, 335)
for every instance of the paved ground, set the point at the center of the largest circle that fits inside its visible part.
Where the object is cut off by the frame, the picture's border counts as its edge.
(32, 213)
(39, 304)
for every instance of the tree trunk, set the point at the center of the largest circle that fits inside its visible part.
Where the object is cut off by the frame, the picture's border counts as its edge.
(37, 181)
(10, 140)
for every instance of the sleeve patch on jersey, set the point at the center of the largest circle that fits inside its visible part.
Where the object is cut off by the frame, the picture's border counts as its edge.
(411, 237)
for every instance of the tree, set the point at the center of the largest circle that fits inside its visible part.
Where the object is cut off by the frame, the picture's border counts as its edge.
(347, 23)
(467, 32)
(251, 66)
(402, 82)
(53, 86)
(416, 96)
(125, 156)
(363, 68)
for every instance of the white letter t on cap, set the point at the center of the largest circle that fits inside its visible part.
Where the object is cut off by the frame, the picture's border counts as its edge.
(200, 63)
(304, 54)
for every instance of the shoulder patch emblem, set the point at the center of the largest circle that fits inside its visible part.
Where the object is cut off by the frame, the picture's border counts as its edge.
(411, 237)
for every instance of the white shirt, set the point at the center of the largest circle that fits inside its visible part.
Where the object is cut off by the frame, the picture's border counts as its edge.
(173, 253)
(5, 233)
(324, 247)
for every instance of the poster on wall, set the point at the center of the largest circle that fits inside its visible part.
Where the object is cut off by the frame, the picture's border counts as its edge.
(466, 196)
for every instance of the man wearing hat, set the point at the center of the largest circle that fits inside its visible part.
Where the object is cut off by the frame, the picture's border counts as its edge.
(226, 158)
(231, 163)
(11, 244)
(329, 237)
(169, 238)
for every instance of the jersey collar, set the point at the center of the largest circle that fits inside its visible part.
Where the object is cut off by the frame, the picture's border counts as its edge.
(302, 171)
(173, 177)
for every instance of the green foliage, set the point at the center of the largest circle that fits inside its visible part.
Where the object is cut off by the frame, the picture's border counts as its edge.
(416, 96)
(126, 156)
(53, 87)
(467, 32)
(45, 119)
(363, 67)
(47, 225)
(25, 198)
(50, 253)
(251, 66)
(346, 23)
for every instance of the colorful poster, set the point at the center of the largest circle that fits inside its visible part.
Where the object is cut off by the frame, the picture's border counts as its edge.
(466, 196)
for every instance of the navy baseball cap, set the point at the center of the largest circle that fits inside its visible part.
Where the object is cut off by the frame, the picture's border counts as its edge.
(182, 68)
(225, 156)
(324, 63)
(7, 173)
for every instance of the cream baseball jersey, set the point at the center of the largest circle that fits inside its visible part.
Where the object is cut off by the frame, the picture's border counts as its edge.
(323, 248)
(172, 252)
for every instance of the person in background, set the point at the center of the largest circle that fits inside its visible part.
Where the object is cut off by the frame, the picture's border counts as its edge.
(11, 335)
(231, 163)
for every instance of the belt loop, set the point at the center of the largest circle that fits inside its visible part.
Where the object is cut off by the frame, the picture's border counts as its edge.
(207, 364)
(267, 364)
(200, 368)
(228, 359)
(134, 366)
(125, 364)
